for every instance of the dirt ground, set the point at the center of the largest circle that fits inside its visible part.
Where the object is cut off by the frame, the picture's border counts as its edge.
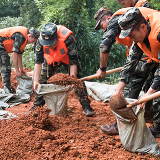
(40, 136)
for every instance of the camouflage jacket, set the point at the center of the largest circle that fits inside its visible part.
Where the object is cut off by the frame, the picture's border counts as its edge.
(18, 40)
(72, 51)
(110, 34)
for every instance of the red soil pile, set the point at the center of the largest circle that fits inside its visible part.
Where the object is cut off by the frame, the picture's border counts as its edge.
(63, 79)
(39, 135)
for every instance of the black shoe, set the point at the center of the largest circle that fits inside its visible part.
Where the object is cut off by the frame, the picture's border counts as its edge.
(88, 111)
(31, 109)
(111, 129)
(155, 131)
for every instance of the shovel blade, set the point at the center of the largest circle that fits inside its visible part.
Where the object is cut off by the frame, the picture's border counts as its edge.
(119, 105)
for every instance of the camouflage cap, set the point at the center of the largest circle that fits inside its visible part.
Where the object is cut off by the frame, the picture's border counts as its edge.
(128, 20)
(98, 16)
(34, 32)
(48, 34)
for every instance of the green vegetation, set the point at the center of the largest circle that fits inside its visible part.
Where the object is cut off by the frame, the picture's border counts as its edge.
(77, 15)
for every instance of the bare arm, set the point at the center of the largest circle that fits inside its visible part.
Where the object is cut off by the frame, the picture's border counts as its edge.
(37, 72)
(20, 63)
(120, 88)
(15, 63)
(73, 70)
(103, 63)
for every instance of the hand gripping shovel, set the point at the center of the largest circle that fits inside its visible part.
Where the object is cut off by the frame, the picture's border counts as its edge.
(119, 104)
(145, 99)
(95, 75)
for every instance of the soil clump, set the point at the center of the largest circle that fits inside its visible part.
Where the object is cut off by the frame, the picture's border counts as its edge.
(64, 79)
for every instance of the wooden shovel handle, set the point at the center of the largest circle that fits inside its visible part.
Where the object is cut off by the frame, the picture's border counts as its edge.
(145, 99)
(95, 75)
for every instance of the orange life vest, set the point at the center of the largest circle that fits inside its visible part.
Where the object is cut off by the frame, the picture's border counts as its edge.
(8, 32)
(60, 53)
(154, 43)
(139, 3)
(127, 41)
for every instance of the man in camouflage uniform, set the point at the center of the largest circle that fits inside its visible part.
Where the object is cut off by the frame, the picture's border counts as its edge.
(49, 42)
(13, 40)
(111, 29)
(134, 3)
(145, 35)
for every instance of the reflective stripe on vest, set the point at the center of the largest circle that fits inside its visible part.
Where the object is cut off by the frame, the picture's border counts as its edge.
(8, 32)
(61, 51)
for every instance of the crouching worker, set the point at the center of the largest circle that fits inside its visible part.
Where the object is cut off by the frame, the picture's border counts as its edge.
(13, 40)
(55, 47)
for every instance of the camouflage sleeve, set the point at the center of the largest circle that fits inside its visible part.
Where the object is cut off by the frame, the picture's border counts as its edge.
(18, 40)
(156, 82)
(72, 50)
(110, 34)
(135, 55)
(146, 4)
(39, 56)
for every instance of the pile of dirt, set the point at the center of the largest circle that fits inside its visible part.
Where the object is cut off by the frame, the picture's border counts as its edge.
(64, 79)
(39, 135)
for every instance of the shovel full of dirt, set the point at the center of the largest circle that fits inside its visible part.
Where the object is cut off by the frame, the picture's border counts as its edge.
(120, 106)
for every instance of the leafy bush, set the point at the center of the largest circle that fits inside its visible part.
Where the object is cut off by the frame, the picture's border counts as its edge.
(78, 16)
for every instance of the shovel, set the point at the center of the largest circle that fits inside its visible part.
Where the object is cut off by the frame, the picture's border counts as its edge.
(145, 99)
(119, 105)
(95, 75)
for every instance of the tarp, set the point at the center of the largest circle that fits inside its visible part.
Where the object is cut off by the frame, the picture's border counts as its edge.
(23, 92)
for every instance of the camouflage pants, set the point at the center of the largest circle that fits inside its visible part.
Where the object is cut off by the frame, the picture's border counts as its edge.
(5, 67)
(142, 80)
(80, 92)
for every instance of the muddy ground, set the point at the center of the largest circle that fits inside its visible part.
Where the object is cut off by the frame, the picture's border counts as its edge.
(40, 136)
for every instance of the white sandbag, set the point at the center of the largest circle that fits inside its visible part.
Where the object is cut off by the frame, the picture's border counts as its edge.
(100, 91)
(136, 137)
(55, 96)
(23, 92)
